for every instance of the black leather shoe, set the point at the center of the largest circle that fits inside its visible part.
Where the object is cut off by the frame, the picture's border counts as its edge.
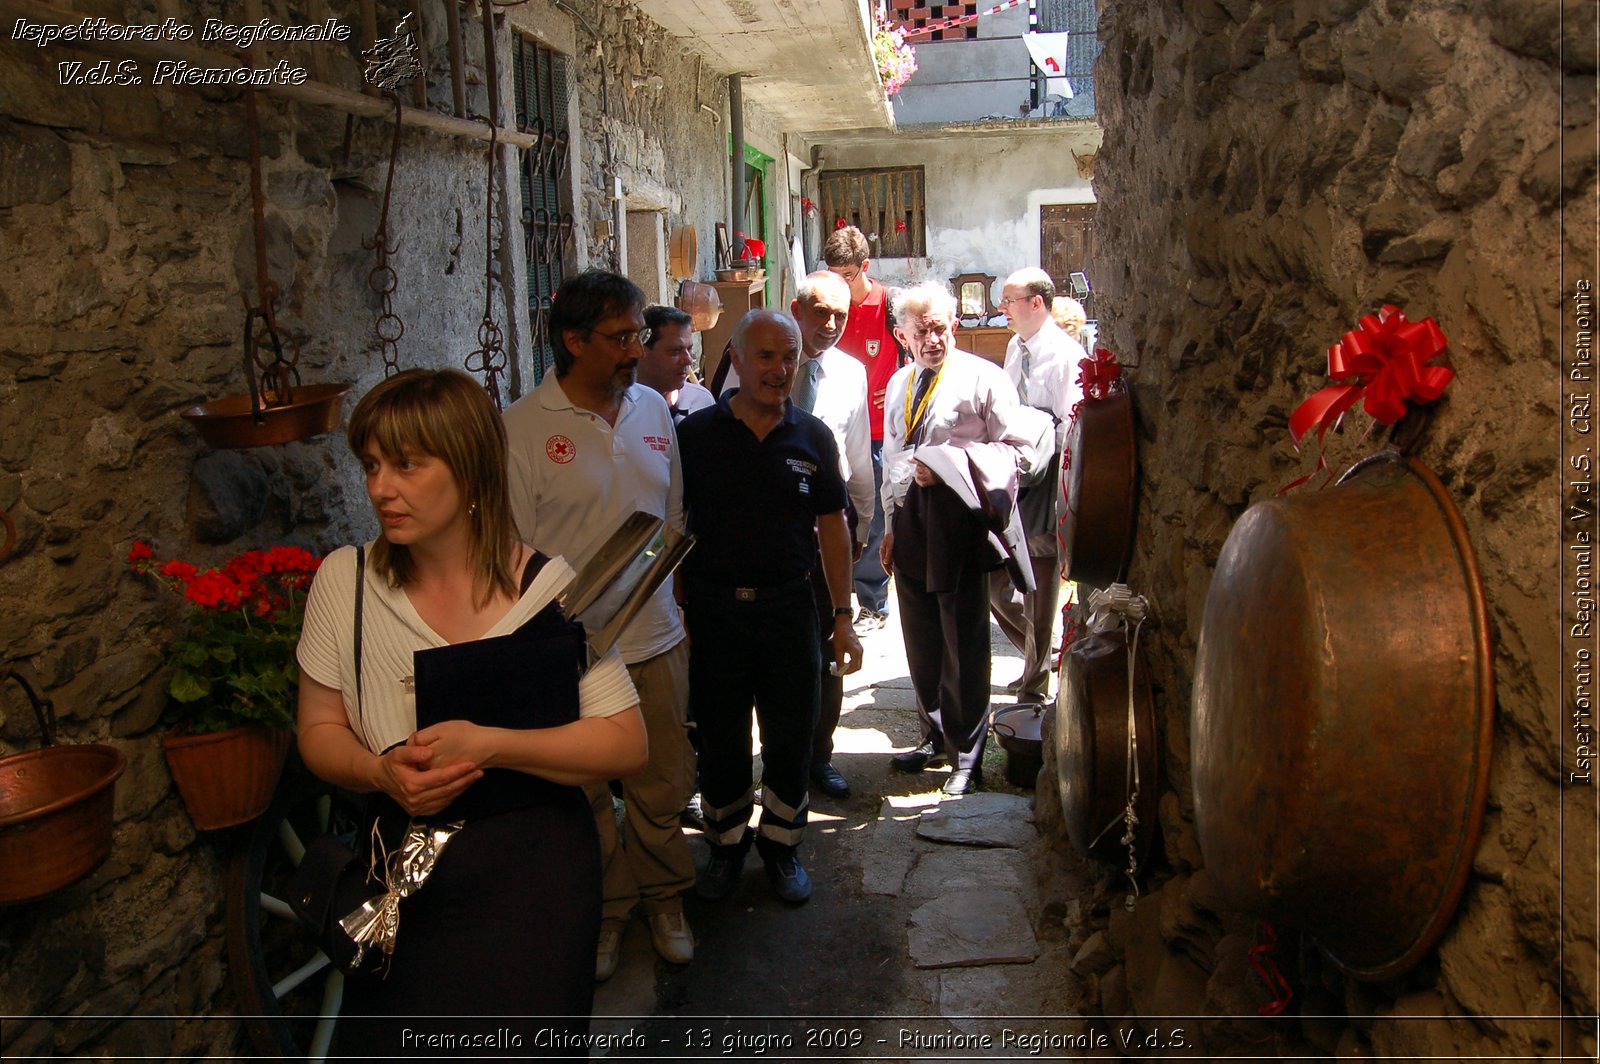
(721, 874)
(829, 782)
(918, 759)
(786, 874)
(963, 781)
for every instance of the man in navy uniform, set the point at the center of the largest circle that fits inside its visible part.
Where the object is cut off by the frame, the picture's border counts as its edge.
(762, 492)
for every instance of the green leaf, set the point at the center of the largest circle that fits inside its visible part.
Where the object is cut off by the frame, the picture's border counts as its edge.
(187, 686)
(223, 653)
(188, 653)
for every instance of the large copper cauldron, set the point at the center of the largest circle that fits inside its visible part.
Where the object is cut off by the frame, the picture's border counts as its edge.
(55, 808)
(1092, 763)
(1343, 701)
(1098, 480)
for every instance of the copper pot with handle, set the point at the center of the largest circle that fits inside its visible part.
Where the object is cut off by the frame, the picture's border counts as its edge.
(1342, 712)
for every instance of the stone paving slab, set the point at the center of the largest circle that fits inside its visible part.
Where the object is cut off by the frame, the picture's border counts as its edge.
(889, 850)
(972, 927)
(982, 819)
(945, 869)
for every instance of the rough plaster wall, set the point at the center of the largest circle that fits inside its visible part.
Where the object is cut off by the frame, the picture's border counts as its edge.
(979, 216)
(648, 135)
(129, 212)
(1271, 172)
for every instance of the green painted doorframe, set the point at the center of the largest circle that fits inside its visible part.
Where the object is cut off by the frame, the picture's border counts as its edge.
(761, 161)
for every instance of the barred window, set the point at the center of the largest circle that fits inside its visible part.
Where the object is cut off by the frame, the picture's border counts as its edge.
(544, 86)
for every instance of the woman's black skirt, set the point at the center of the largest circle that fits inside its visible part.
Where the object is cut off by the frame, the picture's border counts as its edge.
(495, 954)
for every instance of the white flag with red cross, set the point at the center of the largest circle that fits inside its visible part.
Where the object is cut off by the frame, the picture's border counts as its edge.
(1049, 52)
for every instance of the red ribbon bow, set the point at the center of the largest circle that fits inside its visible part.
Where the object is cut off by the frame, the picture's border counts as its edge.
(1096, 374)
(1382, 363)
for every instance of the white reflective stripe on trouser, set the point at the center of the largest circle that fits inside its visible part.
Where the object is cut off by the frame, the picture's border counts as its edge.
(728, 822)
(780, 822)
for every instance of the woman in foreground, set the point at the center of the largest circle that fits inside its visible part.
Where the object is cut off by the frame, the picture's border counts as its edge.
(506, 923)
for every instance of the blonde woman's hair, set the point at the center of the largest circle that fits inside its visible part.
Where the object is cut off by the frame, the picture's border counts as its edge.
(1068, 313)
(447, 415)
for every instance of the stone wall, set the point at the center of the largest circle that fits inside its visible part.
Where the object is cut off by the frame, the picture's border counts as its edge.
(1269, 174)
(125, 222)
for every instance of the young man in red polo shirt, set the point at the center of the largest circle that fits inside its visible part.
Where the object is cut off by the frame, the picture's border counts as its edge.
(869, 337)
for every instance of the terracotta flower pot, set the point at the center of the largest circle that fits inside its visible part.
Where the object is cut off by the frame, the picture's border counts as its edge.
(227, 777)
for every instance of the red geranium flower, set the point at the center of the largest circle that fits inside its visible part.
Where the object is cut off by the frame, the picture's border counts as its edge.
(236, 664)
(178, 570)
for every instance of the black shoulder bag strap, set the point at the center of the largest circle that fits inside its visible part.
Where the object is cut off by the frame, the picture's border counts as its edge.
(361, 590)
(531, 569)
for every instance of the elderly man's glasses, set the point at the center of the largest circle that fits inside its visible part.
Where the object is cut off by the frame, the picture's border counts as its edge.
(627, 338)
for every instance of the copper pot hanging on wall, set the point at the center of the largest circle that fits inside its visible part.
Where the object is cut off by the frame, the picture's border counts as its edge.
(1098, 481)
(1343, 704)
(55, 808)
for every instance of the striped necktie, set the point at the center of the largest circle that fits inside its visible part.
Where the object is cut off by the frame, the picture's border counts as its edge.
(1026, 367)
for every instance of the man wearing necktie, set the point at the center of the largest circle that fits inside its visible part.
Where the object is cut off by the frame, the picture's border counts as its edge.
(832, 386)
(1042, 361)
(954, 406)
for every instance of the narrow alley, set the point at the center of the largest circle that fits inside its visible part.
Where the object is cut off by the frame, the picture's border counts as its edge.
(915, 930)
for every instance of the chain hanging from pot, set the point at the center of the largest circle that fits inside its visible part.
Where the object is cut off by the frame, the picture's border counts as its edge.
(387, 327)
(276, 381)
(490, 356)
(1111, 608)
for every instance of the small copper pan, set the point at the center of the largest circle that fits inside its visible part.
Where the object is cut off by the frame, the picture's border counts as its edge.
(1098, 483)
(1342, 715)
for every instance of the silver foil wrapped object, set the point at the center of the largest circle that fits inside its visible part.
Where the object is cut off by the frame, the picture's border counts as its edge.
(376, 923)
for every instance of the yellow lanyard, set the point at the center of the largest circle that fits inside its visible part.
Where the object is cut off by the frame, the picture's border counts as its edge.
(915, 419)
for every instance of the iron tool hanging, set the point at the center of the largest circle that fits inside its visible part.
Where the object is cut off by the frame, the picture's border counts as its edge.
(490, 356)
(278, 409)
(387, 326)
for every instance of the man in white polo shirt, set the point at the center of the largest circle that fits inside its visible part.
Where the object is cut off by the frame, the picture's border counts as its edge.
(587, 448)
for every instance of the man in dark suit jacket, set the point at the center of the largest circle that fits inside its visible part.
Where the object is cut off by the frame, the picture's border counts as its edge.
(941, 539)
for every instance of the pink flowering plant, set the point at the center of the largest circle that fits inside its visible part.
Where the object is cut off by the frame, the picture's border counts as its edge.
(236, 664)
(894, 57)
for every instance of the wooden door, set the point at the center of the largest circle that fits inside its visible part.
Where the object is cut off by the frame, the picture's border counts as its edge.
(1066, 244)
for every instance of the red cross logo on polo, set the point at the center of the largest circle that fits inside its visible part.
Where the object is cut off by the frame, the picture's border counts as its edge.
(560, 449)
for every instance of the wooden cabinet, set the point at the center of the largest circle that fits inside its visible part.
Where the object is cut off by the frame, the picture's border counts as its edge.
(738, 298)
(986, 340)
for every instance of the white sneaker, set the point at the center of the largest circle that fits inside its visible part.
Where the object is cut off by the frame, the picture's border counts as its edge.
(669, 933)
(607, 953)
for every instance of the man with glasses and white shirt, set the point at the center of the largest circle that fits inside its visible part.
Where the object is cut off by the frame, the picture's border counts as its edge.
(1042, 361)
(870, 338)
(833, 386)
(588, 447)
